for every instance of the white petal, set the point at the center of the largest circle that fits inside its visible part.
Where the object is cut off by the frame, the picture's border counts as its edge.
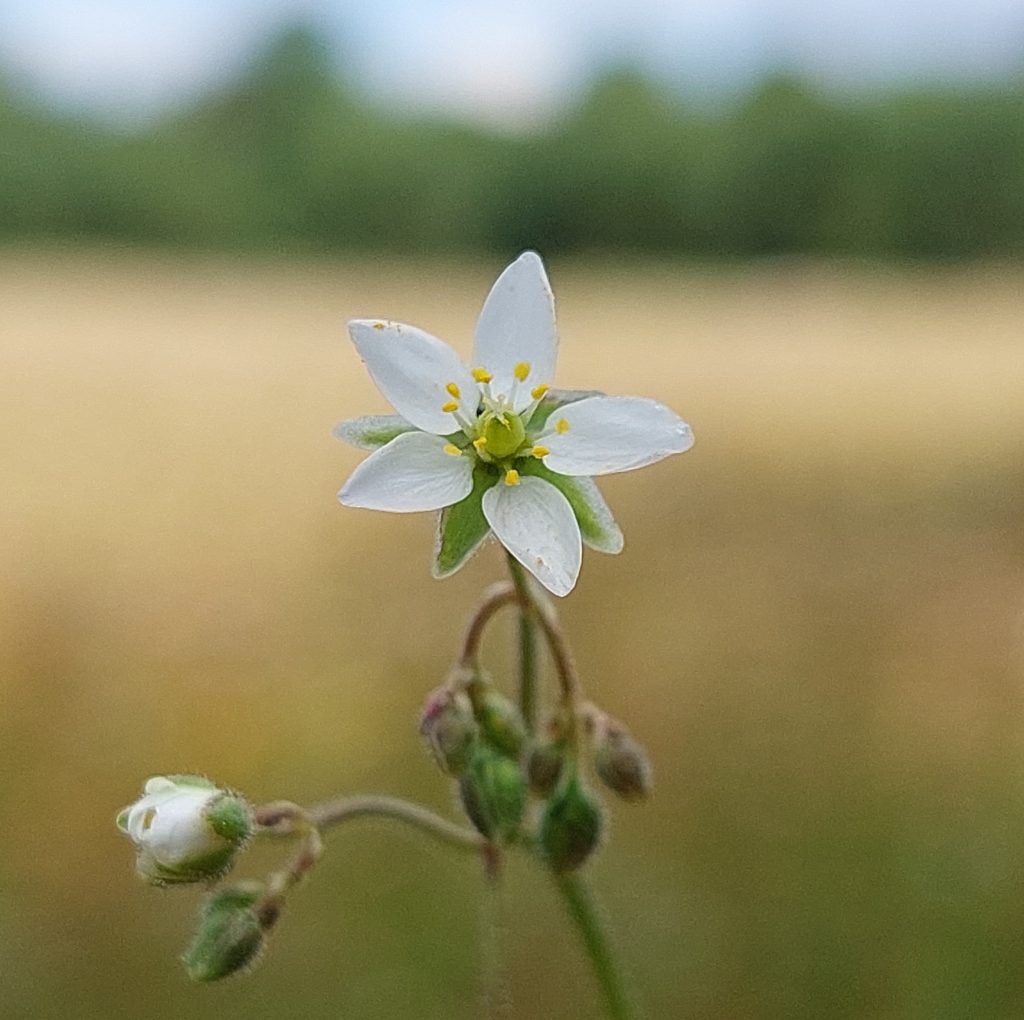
(517, 324)
(607, 434)
(412, 369)
(534, 521)
(160, 784)
(179, 831)
(411, 473)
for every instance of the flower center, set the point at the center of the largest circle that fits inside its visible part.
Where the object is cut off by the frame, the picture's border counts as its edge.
(503, 434)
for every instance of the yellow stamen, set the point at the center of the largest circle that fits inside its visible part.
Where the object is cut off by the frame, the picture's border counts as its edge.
(452, 450)
(538, 391)
(522, 370)
(480, 443)
(481, 375)
(452, 405)
(540, 451)
(561, 426)
(453, 390)
(378, 325)
(512, 477)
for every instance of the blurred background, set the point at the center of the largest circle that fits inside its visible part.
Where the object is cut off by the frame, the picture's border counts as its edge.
(801, 225)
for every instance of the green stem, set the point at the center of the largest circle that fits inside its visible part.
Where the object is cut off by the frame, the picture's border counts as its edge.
(528, 697)
(280, 817)
(577, 897)
(585, 915)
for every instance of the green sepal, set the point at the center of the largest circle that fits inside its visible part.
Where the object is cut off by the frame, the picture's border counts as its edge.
(544, 765)
(462, 527)
(206, 868)
(597, 525)
(231, 818)
(500, 722)
(553, 400)
(372, 431)
(622, 764)
(493, 794)
(570, 830)
(229, 937)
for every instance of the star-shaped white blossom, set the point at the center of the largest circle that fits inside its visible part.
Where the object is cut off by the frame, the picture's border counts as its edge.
(494, 447)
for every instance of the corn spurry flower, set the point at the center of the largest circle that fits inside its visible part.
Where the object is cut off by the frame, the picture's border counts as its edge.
(493, 446)
(185, 829)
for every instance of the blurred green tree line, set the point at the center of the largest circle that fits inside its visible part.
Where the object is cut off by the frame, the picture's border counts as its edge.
(288, 157)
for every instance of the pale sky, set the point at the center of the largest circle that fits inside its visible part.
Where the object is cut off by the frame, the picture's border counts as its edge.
(505, 63)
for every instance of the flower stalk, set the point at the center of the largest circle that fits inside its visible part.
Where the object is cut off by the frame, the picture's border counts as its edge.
(575, 894)
(528, 664)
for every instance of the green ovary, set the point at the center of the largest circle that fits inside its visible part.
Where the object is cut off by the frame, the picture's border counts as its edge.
(504, 435)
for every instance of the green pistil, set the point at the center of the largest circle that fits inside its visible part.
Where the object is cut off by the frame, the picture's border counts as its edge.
(504, 435)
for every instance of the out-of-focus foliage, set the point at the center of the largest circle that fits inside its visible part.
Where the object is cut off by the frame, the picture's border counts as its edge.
(290, 157)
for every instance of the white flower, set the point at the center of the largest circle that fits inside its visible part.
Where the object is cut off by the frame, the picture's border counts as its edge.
(494, 446)
(185, 829)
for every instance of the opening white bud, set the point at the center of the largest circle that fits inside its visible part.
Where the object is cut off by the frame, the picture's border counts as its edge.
(185, 829)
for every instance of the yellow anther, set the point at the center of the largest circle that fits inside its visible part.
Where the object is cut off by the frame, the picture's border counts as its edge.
(453, 390)
(540, 451)
(538, 391)
(480, 443)
(522, 370)
(452, 450)
(561, 426)
(378, 325)
(452, 405)
(512, 477)
(481, 375)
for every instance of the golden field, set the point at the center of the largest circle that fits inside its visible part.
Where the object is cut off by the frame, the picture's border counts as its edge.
(817, 628)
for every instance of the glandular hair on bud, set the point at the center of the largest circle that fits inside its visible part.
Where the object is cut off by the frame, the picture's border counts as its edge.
(230, 935)
(493, 794)
(571, 828)
(448, 726)
(544, 764)
(500, 721)
(622, 764)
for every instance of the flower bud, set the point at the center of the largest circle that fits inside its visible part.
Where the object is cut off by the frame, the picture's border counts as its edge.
(571, 827)
(544, 765)
(185, 829)
(229, 936)
(622, 764)
(447, 725)
(500, 722)
(493, 794)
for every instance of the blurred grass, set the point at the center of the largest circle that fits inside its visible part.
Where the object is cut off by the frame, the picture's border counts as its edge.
(816, 628)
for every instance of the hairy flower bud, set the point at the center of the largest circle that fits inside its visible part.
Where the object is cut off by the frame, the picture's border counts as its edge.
(449, 729)
(500, 722)
(544, 765)
(571, 827)
(621, 763)
(229, 936)
(493, 794)
(185, 829)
